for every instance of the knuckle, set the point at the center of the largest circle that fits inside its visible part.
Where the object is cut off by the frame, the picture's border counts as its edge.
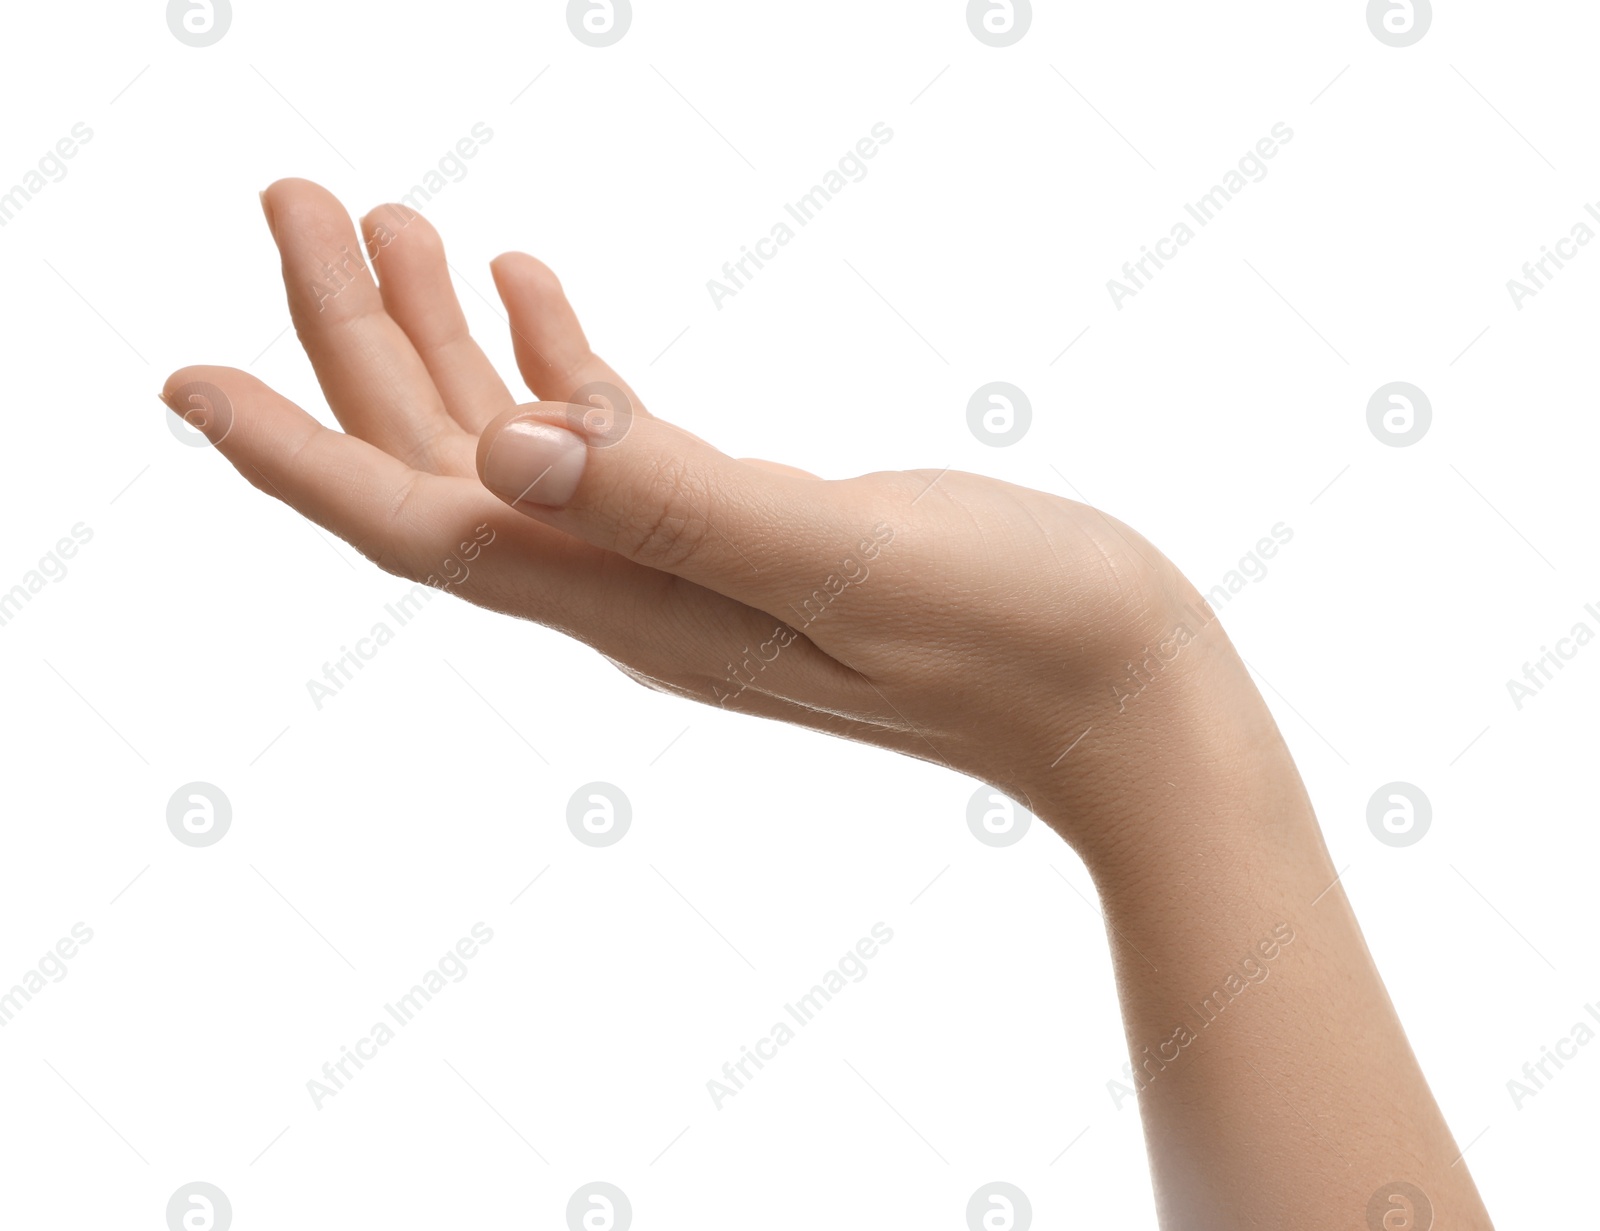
(674, 523)
(383, 547)
(568, 371)
(428, 450)
(395, 515)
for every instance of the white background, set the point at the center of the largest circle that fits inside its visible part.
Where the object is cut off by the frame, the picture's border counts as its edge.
(369, 836)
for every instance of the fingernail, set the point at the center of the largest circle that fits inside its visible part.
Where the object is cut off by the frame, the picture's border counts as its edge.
(534, 463)
(268, 212)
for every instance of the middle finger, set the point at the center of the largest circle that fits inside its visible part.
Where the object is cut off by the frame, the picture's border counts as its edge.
(377, 385)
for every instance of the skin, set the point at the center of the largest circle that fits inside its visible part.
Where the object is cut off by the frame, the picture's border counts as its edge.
(1014, 636)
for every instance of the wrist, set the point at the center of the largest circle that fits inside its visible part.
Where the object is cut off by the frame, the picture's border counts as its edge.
(1172, 757)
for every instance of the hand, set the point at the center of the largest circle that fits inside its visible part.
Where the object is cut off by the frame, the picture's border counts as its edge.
(1008, 634)
(948, 616)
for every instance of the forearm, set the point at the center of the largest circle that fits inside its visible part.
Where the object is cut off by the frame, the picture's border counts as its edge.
(988, 640)
(1276, 1085)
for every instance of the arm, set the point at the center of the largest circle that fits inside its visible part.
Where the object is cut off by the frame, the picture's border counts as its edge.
(1275, 1082)
(1023, 639)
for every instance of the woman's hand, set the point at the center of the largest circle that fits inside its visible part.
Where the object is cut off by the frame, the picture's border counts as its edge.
(952, 617)
(1005, 633)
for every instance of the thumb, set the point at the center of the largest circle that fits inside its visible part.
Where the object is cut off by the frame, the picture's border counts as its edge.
(656, 494)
